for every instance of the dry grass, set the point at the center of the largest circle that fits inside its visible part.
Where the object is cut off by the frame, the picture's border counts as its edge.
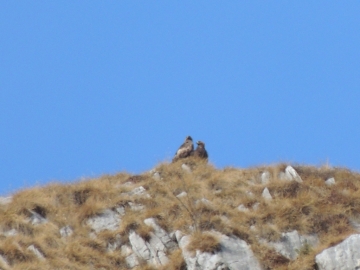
(204, 242)
(211, 203)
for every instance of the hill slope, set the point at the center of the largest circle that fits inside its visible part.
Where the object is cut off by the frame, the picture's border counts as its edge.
(181, 215)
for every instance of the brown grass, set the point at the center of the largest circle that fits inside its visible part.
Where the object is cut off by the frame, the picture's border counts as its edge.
(309, 207)
(204, 242)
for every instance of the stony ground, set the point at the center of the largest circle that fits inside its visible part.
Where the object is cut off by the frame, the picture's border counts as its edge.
(187, 215)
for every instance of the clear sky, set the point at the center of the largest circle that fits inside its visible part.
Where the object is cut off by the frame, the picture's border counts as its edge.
(97, 87)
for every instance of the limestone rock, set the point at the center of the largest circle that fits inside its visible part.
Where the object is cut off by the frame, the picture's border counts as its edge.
(343, 256)
(160, 233)
(154, 251)
(330, 181)
(120, 210)
(156, 176)
(130, 257)
(186, 168)
(234, 254)
(36, 218)
(107, 220)
(37, 252)
(11, 232)
(242, 208)
(136, 206)
(139, 246)
(5, 200)
(3, 262)
(291, 243)
(256, 206)
(290, 174)
(266, 194)
(115, 244)
(66, 231)
(182, 194)
(139, 191)
(265, 177)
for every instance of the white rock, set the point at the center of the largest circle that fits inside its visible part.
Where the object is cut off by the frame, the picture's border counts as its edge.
(136, 206)
(242, 208)
(256, 206)
(132, 260)
(265, 177)
(36, 218)
(156, 176)
(11, 232)
(130, 257)
(250, 194)
(3, 262)
(120, 210)
(343, 256)
(266, 194)
(186, 168)
(66, 231)
(160, 233)
(5, 200)
(139, 191)
(113, 245)
(234, 254)
(292, 174)
(178, 235)
(203, 201)
(182, 194)
(37, 252)
(291, 242)
(126, 250)
(157, 250)
(154, 251)
(330, 181)
(139, 246)
(107, 220)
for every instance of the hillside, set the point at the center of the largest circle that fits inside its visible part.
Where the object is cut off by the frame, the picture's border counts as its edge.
(183, 215)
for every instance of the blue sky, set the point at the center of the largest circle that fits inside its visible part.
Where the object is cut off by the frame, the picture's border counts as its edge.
(97, 87)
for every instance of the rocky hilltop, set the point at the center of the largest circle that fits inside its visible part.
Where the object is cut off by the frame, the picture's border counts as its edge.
(187, 215)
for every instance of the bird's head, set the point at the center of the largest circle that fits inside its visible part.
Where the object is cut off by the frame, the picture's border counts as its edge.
(200, 143)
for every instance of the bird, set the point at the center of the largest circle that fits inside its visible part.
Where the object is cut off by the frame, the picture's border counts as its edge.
(200, 150)
(185, 150)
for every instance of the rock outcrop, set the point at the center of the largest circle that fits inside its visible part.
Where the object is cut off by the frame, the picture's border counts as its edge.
(344, 256)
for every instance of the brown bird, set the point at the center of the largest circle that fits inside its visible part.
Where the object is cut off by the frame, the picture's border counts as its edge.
(200, 151)
(185, 150)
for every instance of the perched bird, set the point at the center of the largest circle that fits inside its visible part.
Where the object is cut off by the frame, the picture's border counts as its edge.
(200, 151)
(185, 150)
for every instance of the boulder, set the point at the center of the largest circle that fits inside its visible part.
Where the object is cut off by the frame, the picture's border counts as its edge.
(107, 220)
(291, 243)
(343, 256)
(266, 194)
(265, 177)
(154, 251)
(234, 254)
(130, 257)
(330, 181)
(290, 175)
(36, 218)
(161, 234)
